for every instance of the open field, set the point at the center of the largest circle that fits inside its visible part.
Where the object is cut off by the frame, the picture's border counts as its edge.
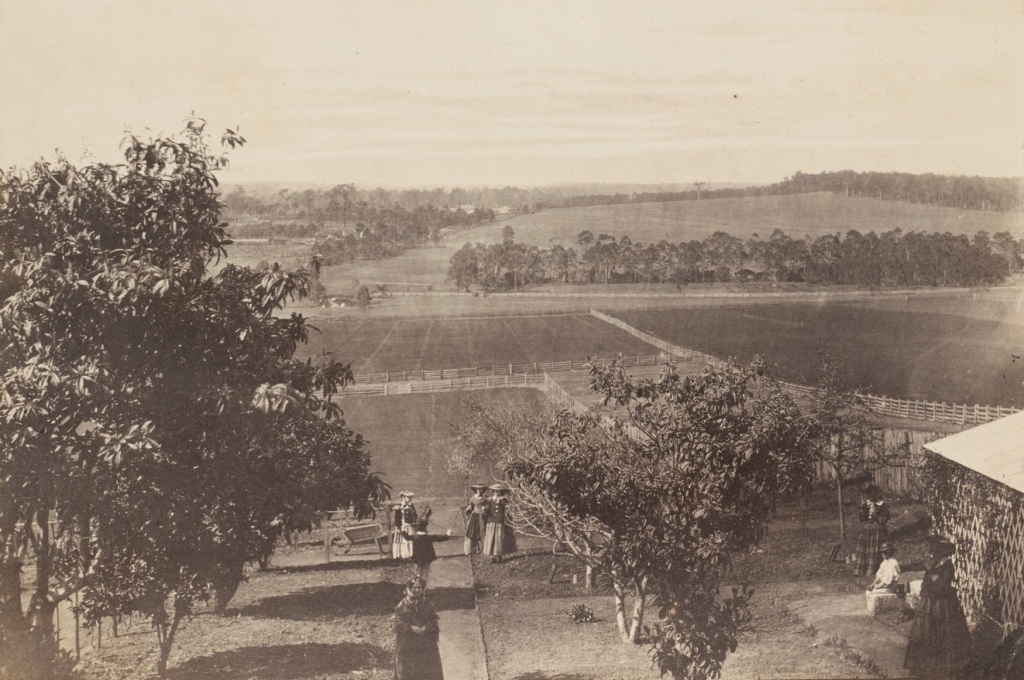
(409, 435)
(797, 215)
(377, 345)
(936, 351)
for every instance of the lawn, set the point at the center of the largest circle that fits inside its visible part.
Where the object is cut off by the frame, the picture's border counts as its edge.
(797, 215)
(409, 435)
(376, 345)
(928, 350)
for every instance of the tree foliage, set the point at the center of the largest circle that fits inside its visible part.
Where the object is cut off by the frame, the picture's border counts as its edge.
(157, 432)
(692, 480)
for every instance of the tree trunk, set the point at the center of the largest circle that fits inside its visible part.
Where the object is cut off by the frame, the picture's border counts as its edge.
(226, 584)
(842, 514)
(639, 604)
(165, 635)
(620, 609)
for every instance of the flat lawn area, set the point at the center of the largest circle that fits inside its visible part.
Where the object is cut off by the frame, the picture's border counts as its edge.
(409, 435)
(797, 215)
(929, 350)
(375, 345)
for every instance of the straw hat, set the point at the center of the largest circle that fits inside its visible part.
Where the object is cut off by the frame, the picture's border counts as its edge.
(499, 486)
(407, 494)
(887, 547)
(478, 485)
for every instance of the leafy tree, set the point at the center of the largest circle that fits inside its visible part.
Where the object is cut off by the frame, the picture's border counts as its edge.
(841, 429)
(508, 235)
(690, 478)
(363, 298)
(158, 433)
(585, 238)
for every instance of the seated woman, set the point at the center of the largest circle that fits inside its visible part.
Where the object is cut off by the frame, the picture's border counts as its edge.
(888, 572)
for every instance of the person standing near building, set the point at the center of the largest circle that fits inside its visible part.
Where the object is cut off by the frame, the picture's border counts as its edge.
(939, 642)
(874, 513)
(416, 633)
(404, 527)
(474, 512)
(499, 539)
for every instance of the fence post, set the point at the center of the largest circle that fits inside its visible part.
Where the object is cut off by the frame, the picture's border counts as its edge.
(326, 531)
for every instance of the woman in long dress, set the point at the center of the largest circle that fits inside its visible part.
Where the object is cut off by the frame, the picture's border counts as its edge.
(499, 539)
(874, 513)
(939, 641)
(474, 512)
(404, 527)
(416, 633)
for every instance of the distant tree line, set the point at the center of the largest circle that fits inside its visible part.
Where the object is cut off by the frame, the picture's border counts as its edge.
(958, 191)
(891, 259)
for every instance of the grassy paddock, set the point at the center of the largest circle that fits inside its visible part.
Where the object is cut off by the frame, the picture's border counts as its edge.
(375, 345)
(797, 215)
(937, 350)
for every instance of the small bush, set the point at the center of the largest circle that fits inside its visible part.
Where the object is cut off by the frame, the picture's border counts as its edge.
(581, 613)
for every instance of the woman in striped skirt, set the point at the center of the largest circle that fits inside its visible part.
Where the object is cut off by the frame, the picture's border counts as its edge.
(499, 539)
(874, 514)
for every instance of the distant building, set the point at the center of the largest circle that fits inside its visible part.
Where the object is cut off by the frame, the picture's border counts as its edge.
(503, 210)
(468, 209)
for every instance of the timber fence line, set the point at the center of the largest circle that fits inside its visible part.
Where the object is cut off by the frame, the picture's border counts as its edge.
(449, 385)
(505, 369)
(937, 292)
(960, 414)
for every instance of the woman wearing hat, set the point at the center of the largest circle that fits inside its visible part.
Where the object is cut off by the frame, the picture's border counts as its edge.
(404, 527)
(875, 514)
(416, 634)
(474, 512)
(939, 643)
(499, 538)
(888, 573)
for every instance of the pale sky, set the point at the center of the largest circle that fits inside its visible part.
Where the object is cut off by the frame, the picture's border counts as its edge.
(522, 93)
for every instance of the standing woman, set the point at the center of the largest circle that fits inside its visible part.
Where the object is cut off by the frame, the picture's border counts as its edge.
(499, 539)
(405, 527)
(416, 633)
(875, 514)
(939, 643)
(474, 512)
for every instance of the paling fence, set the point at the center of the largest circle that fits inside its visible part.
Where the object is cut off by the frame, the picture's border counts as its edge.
(929, 292)
(960, 414)
(504, 369)
(986, 521)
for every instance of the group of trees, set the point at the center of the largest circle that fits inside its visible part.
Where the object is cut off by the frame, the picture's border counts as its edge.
(870, 260)
(662, 507)
(955, 191)
(157, 433)
(345, 210)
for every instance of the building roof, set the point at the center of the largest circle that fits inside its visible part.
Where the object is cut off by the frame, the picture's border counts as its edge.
(995, 449)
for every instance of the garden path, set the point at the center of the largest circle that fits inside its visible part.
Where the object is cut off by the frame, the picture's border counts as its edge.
(461, 642)
(846, 616)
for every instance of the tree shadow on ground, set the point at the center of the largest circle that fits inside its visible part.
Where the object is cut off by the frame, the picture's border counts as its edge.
(446, 599)
(369, 563)
(311, 604)
(283, 662)
(353, 599)
(537, 675)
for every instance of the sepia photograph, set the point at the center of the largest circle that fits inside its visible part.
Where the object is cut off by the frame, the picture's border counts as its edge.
(451, 340)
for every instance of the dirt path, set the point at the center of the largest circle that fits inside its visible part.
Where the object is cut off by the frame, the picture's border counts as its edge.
(846, 616)
(461, 642)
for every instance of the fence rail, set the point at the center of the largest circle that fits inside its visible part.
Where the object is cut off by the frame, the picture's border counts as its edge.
(449, 385)
(960, 414)
(503, 370)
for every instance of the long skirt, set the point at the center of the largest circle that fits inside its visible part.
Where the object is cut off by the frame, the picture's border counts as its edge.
(474, 534)
(417, 658)
(869, 550)
(401, 546)
(499, 539)
(939, 641)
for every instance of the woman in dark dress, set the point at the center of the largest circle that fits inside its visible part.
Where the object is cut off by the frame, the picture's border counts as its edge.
(474, 512)
(416, 633)
(499, 539)
(875, 514)
(940, 643)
